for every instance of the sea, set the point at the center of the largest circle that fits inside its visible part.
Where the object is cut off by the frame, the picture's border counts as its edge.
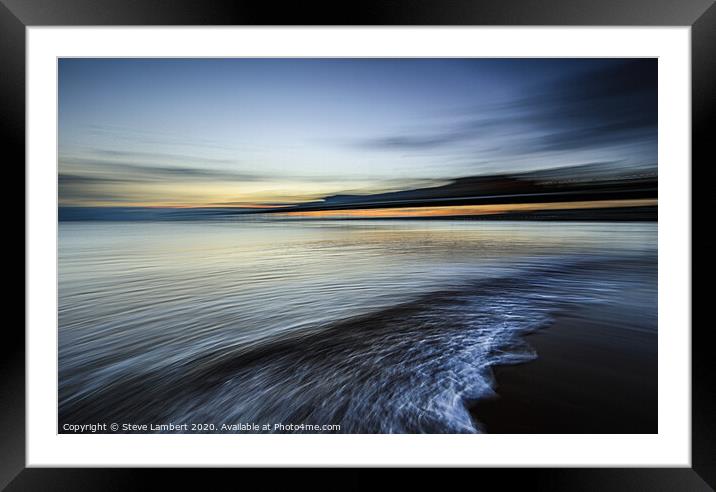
(350, 326)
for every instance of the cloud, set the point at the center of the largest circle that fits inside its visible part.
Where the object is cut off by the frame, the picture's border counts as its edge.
(614, 105)
(100, 176)
(608, 106)
(83, 179)
(113, 171)
(77, 188)
(159, 156)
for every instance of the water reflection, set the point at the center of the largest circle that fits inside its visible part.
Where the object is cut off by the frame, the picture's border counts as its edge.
(376, 326)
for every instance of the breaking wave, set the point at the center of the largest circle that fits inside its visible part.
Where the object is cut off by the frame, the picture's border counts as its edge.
(414, 367)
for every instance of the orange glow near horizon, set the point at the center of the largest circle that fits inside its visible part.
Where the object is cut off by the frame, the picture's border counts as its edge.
(461, 210)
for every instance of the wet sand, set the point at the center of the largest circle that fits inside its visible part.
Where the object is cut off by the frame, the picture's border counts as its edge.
(593, 375)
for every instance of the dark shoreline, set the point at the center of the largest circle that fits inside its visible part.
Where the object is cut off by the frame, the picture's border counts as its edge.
(591, 376)
(122, 214)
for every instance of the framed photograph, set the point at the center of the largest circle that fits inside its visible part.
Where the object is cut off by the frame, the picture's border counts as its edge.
(424, 236)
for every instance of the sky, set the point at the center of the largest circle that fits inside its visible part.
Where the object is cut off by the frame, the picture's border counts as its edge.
(266, 132)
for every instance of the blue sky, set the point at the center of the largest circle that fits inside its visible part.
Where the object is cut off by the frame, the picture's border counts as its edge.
(183, 132)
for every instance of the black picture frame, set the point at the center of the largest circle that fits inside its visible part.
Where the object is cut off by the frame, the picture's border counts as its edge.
(16, 15)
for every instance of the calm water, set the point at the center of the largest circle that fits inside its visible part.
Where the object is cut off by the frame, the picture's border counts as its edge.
(378, 326)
